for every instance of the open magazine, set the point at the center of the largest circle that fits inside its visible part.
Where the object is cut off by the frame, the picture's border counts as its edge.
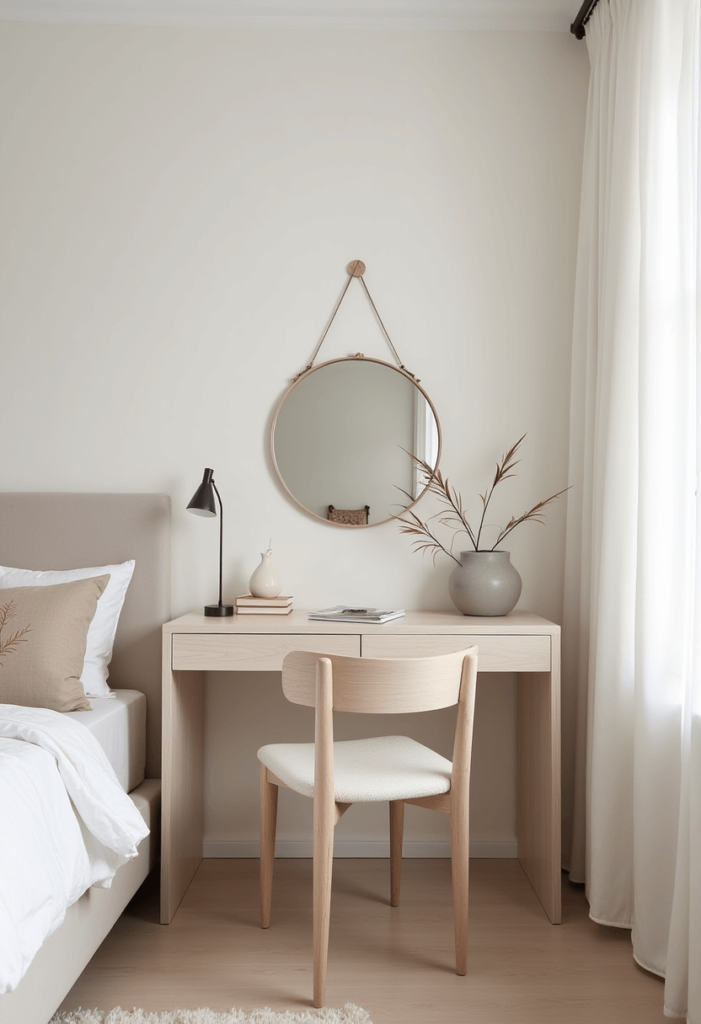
(345, 613)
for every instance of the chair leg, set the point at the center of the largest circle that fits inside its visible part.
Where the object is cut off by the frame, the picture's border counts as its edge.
(268, 823)
(323, 869)
(396, 836)
(460, 867)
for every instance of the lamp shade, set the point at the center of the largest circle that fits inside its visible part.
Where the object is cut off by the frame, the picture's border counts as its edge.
(202, 502)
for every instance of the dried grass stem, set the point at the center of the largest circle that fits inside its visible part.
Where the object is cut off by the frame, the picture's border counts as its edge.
(454, 516)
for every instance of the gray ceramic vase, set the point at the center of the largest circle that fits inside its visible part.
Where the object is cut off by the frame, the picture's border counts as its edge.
(485, 583)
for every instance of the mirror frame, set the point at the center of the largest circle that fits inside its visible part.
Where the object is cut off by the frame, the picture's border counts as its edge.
(307, 373)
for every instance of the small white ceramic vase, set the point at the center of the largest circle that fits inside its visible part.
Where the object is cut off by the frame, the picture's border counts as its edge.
(265, 581)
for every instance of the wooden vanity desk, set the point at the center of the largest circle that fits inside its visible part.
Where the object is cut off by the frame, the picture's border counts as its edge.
(520, 642)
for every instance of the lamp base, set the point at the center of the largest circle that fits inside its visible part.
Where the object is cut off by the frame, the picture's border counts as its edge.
(219, 610)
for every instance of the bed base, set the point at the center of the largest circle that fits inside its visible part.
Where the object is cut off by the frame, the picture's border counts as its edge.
(66, 954)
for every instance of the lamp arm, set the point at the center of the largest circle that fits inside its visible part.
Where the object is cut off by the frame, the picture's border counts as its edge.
(221, 538)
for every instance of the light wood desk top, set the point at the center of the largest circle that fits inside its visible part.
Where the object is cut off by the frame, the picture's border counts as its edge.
(521, 623)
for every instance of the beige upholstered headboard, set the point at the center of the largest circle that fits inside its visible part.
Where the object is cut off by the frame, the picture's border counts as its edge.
(73, 531)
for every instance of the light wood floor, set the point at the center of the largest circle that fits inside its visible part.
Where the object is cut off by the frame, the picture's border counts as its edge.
(396, 963)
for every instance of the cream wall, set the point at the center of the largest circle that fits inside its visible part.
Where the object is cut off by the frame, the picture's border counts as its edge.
(177, 207)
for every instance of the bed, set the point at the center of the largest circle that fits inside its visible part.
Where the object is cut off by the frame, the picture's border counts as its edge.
(60, 531)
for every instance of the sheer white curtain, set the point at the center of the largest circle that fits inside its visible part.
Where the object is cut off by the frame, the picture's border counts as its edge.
(632, 623)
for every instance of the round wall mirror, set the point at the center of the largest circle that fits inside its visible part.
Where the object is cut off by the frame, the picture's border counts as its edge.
(341, 437)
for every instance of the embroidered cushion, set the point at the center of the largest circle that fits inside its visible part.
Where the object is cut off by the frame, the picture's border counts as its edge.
(43, 635)
(103, 627)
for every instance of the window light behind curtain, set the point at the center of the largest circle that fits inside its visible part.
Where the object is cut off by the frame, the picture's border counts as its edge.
(632, 620)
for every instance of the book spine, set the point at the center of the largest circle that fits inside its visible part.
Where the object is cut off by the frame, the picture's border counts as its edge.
(262, 611)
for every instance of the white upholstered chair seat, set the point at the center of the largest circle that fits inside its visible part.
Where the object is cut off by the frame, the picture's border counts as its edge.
(365, 771)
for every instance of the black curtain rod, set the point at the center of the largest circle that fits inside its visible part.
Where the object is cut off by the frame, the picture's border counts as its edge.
(585, 11)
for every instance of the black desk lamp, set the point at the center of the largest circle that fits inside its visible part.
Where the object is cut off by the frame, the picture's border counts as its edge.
(202, 504)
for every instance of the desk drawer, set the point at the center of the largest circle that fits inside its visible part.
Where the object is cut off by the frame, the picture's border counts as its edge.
(507, 653)
(251, 653)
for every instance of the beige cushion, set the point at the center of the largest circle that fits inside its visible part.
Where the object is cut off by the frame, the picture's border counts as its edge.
(43, 634)
(98, 651)
(365, 771)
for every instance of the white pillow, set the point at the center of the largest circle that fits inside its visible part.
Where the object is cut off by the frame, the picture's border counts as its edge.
(104, 624)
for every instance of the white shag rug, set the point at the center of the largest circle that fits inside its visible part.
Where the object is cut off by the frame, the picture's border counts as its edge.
(348, 1014)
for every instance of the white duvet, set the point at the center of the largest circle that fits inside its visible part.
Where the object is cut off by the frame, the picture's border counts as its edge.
(65, 824)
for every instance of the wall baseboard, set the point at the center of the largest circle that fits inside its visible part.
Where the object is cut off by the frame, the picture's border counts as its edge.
(504, 848)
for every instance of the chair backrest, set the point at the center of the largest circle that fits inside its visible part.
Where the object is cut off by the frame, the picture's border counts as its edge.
(378, 685)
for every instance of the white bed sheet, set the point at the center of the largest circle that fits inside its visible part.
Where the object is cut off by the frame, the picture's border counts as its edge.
(119, 725)
(66, 825)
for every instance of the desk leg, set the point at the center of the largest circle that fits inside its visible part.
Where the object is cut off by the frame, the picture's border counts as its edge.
(539, 785)
(182, 826)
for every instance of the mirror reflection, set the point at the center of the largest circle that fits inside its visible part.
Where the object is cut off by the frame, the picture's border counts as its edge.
(340, 439)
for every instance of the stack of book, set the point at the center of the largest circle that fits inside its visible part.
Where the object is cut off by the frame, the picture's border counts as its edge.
(248, 605)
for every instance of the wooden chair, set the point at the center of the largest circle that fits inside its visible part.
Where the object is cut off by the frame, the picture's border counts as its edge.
(393, 768)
